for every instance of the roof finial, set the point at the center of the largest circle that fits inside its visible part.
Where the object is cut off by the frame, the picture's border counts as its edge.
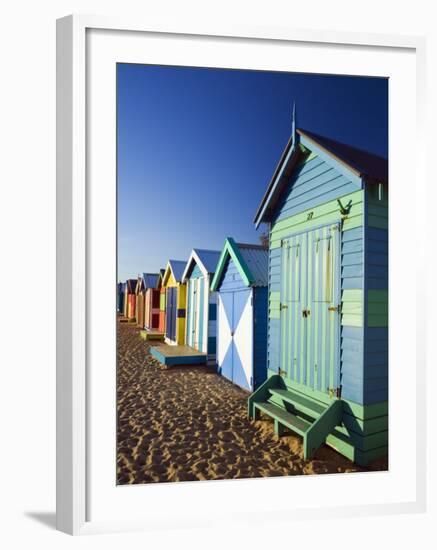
(293, 123)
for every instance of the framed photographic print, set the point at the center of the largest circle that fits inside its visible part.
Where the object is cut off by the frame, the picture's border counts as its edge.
(237, 236)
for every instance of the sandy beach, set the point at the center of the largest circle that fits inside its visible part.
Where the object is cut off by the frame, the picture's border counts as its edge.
(189, 423)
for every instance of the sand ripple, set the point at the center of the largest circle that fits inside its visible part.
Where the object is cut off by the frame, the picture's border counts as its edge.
(188, 423)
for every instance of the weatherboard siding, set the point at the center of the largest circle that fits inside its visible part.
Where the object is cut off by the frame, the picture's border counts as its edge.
(352, 275)
(260, 306)
(314, 217)
(313, 183)
(231, 279)
(375, 379)
(211, 337)
(196, 272)
(171, 281)
(377, 211)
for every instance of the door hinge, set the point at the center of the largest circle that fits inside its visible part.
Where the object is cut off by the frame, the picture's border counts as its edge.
(335, 308)
(334, 392)
(282, 306)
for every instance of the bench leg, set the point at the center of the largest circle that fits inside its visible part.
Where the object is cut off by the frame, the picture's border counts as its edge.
(256, 413)
(279, 428)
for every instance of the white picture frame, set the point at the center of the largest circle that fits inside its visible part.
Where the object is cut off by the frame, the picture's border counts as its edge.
(74, 458)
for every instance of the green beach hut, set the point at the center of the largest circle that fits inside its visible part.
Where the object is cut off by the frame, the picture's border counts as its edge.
(326, 207)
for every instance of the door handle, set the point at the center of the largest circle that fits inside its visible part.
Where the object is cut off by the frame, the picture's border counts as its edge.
(305, 312)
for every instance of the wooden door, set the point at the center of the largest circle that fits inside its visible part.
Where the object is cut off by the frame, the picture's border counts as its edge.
(171, 312)
(235, 338)
(310, 309)
(292, 306)
(324, 302)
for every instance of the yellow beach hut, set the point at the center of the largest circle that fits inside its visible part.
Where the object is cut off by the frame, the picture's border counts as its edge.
(175, 300)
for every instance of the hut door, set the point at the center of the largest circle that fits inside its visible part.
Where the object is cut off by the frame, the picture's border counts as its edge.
(323, 346)
(292, 307)
(195, 321)
(235, 317)
(309, 309)
(171, 313)
(195, 313)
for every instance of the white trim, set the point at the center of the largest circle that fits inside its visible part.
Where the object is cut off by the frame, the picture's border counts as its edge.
(206, 298)
(187, 294)
(196, 312)
(194, 257)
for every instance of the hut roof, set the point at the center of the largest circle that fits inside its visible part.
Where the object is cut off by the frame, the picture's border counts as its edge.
(205, 259)
(160, 278)
(257, 260)
(252, 261)
(150, 280)
(131, 285)
(177, 268)
(140, 285)
(369, 167)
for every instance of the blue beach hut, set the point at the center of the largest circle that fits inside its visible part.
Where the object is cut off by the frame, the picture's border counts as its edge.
(327, 211)
(200, 327)
(241, 283)
(120, 297)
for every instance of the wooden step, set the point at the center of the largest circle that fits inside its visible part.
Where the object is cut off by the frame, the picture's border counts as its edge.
(291, 421)
(302, 403)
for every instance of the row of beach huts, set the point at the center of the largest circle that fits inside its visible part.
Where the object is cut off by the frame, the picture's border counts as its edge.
(210, 309)
(301, 323)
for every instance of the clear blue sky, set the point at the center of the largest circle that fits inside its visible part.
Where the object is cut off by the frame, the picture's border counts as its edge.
(197, 149)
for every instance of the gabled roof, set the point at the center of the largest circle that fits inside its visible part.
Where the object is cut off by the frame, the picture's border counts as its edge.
(369, 166)
(251, 260)
(160, 278)
(140, 285)
(131, 285)
(150, 280)
(257, 260)
(205, 259)
(176, 267)
(364, 165)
